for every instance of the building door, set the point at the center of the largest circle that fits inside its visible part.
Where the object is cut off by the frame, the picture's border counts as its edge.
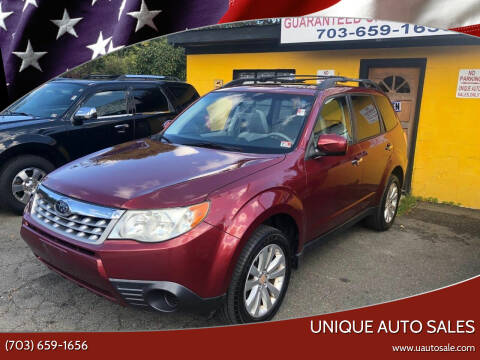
(401, 86)
(402, 81)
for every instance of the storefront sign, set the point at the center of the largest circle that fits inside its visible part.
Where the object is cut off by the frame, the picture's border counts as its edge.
(468, 83)
(319, 29)
(324, 73)
(397, 106)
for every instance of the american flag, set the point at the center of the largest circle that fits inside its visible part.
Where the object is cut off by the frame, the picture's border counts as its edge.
(40, 39)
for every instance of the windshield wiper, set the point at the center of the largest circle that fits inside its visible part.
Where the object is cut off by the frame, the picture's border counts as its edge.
(215, 146)
(17, 113)
(163, 137)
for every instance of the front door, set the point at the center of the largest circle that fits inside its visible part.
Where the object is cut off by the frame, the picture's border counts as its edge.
(333, 181)
(113, 125)
(401, 86)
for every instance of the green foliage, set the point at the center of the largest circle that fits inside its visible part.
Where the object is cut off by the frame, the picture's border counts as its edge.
(154, 57)
(410, 202)
(407, 204)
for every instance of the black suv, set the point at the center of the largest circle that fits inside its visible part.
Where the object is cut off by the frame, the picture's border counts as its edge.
(68, 118)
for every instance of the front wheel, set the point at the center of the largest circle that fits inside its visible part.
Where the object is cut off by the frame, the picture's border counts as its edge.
(386, 212)
(19, 179)
(260, 278)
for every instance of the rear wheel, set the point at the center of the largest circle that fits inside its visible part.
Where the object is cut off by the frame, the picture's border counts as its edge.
(386, 212)
(260, 278)
(19, 179)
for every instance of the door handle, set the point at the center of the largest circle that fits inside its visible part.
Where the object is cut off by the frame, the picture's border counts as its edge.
(359, 158)
(356, 162)
(122, 127)
(389, 147)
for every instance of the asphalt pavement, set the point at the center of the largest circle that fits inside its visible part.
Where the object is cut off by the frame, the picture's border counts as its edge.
(431, 247)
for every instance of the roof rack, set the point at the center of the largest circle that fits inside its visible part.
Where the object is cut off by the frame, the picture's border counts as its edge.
(130, 77)
(100, 77)
(326, 81)
(148, 77)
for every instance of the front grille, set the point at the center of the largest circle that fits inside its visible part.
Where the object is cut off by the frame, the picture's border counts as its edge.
(76, 219)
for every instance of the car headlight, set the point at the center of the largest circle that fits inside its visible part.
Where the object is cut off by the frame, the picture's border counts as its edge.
(158, 225)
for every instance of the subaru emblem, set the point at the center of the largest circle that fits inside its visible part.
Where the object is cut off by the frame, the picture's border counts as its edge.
(62, 208)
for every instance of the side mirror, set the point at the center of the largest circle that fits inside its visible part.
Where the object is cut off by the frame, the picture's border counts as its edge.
(84, 113)
(332, 144)
(166, 124)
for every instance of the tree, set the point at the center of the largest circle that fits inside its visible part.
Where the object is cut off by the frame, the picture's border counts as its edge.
(154, 57)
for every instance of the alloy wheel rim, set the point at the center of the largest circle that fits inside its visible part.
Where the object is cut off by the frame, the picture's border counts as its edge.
(26, 182)
(265, 281)
(391, 203)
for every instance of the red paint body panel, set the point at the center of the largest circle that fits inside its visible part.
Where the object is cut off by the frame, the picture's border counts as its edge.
(244, 190)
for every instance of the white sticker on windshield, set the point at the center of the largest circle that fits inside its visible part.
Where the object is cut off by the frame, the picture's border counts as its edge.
(286, 144)
(301, 112)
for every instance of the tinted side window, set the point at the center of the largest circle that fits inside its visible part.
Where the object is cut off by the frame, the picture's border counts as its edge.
(108, 103)
(366, 115)
(334, 118)
(388, 115)
(184, 95)
(150, 101)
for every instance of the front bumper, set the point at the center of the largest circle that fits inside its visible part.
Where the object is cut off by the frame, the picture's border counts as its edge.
(184, 273)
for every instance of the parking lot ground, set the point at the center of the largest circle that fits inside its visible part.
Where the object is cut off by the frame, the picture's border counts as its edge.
(431, 247)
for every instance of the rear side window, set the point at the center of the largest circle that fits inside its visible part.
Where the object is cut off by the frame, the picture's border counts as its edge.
(388, 115)
(184, 95)
(148, 101)
(108, 103)
(366, 116)
(334, 118)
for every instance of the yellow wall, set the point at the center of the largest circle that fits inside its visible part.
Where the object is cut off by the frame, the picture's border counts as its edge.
(447, 155)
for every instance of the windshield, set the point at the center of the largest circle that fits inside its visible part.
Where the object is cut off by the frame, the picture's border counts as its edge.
(50, 100)
(243, 121)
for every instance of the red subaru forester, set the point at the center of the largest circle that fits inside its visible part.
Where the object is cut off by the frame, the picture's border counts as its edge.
(213, 213)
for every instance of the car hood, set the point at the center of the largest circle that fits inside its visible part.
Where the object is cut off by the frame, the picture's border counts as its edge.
(149, 174)
(12, 121)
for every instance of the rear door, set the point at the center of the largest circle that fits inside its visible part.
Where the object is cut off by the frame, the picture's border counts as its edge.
(333, 182)
(182, 95)
(374, 143)
(151, 108)
(113, 125)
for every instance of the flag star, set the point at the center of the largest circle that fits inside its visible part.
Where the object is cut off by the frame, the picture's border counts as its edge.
(122, 7)
(99, 47)
(111, 48)
(66, 24)
(94, 1)
(30, 57)
(29, 2)
(3, 16)
(144, 17)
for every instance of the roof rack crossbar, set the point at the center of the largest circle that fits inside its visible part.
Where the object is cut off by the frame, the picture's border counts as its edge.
(130, 77)
(326, 81)
(148, 77)
(332, 81)
(100, 77)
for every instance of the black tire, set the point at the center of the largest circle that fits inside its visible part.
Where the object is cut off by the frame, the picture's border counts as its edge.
(234, 310)
(377, 220)
(8, 172)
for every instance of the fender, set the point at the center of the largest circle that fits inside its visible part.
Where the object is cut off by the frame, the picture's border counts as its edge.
(255, 212)
(16, 144)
